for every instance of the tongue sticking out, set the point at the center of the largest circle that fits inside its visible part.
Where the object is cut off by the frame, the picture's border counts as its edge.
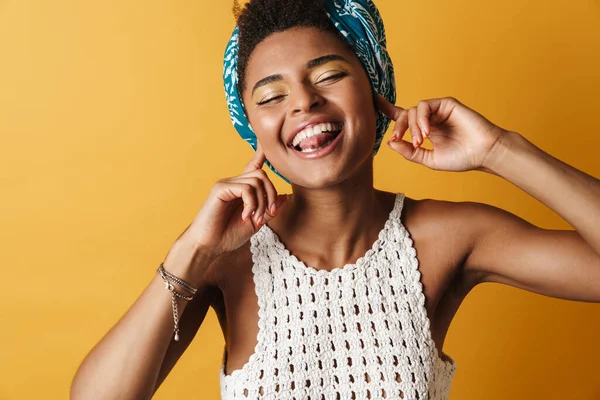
(317, 140)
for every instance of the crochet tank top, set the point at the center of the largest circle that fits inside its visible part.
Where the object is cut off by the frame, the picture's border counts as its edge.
(357, 332)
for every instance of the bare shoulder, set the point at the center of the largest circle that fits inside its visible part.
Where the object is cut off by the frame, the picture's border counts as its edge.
(470, 229)
(444, 232)
(437, 217)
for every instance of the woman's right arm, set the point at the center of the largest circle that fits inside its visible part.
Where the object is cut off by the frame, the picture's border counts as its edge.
(137, 353)
(126, 363)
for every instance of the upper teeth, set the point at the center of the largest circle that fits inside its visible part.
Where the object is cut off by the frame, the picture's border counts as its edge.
(313, 130)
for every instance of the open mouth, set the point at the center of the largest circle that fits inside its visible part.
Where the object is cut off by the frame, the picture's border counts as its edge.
(316, 137)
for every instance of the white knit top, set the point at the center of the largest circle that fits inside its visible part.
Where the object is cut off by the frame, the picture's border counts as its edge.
(356, 332)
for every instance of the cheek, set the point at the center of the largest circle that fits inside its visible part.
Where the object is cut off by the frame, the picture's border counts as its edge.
(359, 101)
(266, 125)
(358, 95)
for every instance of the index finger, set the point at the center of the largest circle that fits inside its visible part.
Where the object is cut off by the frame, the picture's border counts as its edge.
(390, 110)
(257, 161)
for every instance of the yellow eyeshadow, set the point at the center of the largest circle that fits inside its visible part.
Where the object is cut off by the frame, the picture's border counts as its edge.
(329, 69)
(317, 74)
(268, 92)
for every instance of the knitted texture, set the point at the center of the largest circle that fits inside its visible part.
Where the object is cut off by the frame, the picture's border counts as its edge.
(356, 332)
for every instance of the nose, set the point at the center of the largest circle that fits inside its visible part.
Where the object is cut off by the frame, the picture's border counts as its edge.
(305, 98)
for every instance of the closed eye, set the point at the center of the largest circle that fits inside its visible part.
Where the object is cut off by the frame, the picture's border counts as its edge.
(329, 79)
(270, 100)
(334, 77)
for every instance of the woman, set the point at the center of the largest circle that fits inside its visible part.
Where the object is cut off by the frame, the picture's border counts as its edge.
(320, 294)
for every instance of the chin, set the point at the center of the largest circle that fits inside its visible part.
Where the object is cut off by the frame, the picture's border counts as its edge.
(325, 175)
(318, 181)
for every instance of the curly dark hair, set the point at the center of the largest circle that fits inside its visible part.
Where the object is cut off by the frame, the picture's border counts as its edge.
(261, 18)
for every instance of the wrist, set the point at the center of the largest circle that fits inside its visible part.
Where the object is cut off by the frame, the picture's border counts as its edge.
(188, 261)
(499, 152)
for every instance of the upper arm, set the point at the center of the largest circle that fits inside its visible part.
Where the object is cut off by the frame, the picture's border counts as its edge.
(189, 323)
(504, 248)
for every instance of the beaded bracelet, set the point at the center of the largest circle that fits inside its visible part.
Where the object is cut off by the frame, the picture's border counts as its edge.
(167, 277)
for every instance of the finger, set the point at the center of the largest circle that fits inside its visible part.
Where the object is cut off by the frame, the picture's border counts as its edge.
(271, 193)
(388, 109)
(257, 160)
(401, 126)
(402, 147)
(251, 201)
(267, 185)
(255, 208)
(228, 191)
(439, 110)
(415, 132)
(281, 200)
(418, 155)
(423, 113)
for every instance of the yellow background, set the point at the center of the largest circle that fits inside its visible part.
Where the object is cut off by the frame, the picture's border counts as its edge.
(113, 127)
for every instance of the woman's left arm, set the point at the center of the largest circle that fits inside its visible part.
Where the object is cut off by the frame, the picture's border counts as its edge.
(507, 249)
(503, 247)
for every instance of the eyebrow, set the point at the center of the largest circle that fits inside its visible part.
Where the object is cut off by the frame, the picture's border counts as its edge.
(311, 64)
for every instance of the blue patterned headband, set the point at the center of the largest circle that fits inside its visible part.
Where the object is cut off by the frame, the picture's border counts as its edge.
(360, 23)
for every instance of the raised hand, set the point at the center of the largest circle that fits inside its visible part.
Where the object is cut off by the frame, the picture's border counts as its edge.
(235, 208)
(462, 138)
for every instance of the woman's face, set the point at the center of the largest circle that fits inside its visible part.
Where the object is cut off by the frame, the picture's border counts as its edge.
(310, 104)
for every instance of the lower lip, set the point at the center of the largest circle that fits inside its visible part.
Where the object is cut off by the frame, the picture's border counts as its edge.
(321, 152)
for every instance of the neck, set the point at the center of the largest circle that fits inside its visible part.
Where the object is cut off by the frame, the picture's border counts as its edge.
(331, 227)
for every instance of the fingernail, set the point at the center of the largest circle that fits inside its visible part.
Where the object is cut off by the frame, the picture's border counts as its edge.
(260, 221)
(394, 137)
(273, 209)
(415, 143)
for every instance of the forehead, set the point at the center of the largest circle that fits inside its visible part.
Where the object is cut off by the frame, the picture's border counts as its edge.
(284, 51)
